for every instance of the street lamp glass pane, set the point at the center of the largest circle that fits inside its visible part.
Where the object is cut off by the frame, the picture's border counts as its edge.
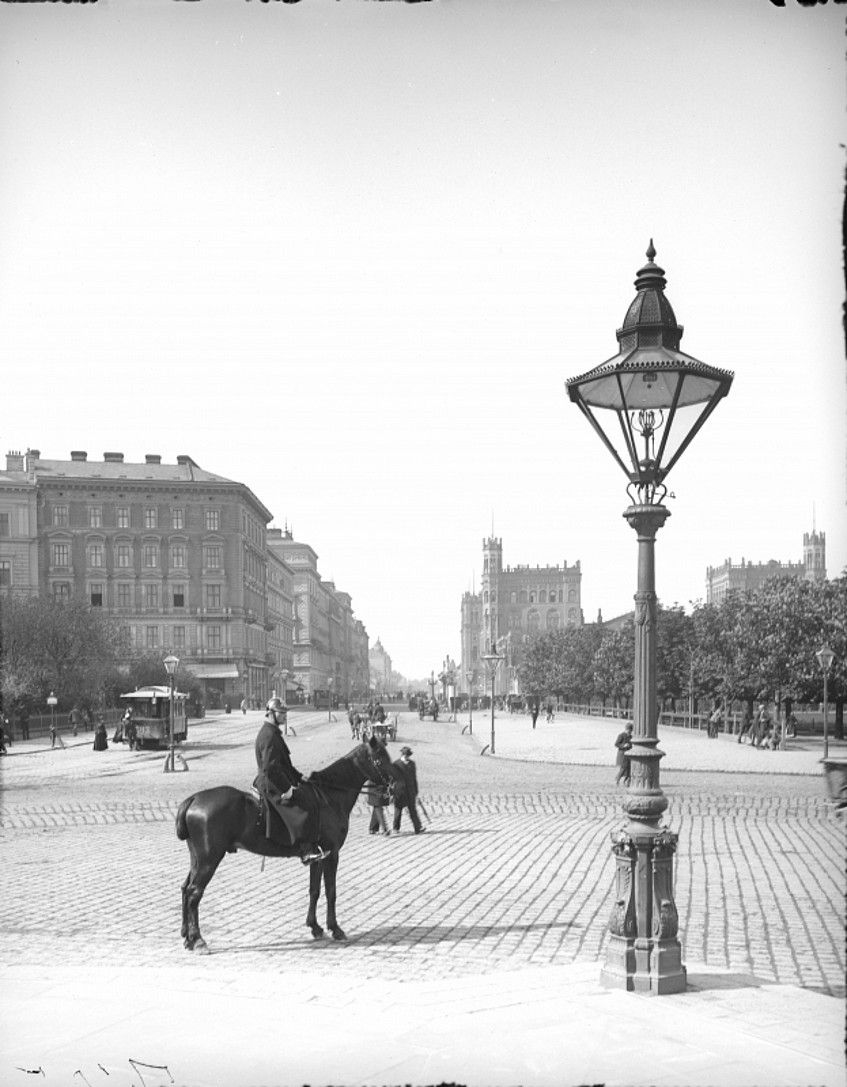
(825, 657)
(645, 388)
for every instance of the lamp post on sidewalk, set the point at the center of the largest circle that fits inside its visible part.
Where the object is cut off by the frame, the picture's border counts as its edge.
(52, 701)
(650, 400)
(825, 657)
(329, 683)
(171, 664)
(492, 661)
(471, 680)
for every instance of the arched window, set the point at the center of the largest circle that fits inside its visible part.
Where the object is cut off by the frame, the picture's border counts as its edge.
(513, 598)
(522, 596)
(542, 597)
(533, 621)
(571, 596)
(572, 614)
(532, 597)
(552, 619)
(485, 597)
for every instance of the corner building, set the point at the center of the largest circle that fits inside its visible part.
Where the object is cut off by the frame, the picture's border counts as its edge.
(514, 605)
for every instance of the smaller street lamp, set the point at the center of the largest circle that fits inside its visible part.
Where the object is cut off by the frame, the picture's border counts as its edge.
(52, 701)
(329, 683)
(171, 664)
(471, 680)
(492, 661)
(825, 657)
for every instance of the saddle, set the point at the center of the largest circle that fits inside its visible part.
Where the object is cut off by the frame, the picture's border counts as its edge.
(294, 821)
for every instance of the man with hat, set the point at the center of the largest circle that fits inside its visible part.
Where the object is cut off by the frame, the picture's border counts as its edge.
(406, 790)
(276, 783)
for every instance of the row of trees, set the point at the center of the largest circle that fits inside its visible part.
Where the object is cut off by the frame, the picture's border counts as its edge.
(754, 645)
(82, 655)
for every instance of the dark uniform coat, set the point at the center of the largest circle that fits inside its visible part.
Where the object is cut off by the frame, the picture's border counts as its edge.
(277, 774)
(405, 792)
(623, 743)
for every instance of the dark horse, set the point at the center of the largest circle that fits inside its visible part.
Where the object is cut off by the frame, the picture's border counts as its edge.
(222, 820)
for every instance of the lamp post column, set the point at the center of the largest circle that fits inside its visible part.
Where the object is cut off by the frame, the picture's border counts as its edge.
(644, 953)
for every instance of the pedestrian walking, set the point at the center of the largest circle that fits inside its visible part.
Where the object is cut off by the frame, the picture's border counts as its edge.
(406, 790)
(378, 797)
(762, 726)
(550, 713)
(55, 737)
(623, 743)
(244, 705)
(23, 722)
(2, 738)
(746, 724)
(714, 723)
(534, 710)
(76, 719)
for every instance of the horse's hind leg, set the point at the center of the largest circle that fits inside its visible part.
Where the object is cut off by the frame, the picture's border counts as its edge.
(202, 870)
(330, 868)
(314, 895)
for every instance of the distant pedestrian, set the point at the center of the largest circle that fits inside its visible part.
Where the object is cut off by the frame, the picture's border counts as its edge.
(534, 710)
(623, 743)
(406, 790)
(23, 722)
(763, 725)
(790, 730)
(131, 734)
(2, 738)
(7, 729)
(714, 723)
(76, 719)
(244, 705)
(54, 734)
(377, 799)
(101, 741)
(550, 715)
(746, 725)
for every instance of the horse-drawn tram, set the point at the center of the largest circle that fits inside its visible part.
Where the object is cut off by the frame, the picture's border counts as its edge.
(151, 716)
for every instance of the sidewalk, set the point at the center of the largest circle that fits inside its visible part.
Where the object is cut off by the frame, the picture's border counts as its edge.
(589, 741)
(547, 1027)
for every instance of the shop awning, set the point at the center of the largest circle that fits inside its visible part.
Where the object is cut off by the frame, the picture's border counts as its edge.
(214, 671)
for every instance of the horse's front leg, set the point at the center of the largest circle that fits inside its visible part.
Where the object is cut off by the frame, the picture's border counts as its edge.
(330, 867)
(314, 895)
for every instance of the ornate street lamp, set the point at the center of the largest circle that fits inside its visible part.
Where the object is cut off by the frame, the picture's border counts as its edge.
(825, 657)
(492, 662)
(171, 664)
(646, 403)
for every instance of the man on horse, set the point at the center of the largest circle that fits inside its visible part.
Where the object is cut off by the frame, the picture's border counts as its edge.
(278, 784)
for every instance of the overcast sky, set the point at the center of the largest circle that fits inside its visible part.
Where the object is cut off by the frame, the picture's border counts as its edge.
(348, 253)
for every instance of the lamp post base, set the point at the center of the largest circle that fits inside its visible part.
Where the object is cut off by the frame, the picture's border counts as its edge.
(643, 953)
(171, 760)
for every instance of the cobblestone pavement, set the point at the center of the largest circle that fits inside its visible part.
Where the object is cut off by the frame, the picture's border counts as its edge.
(514, 872)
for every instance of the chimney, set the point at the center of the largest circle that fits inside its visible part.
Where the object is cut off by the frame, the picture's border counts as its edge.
(183, 458)
(113, 458)
(79, 454)
(32, 456)
(152, 458)
(14, 461)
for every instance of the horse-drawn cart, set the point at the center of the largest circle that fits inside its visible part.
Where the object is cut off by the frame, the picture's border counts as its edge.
(385, 730)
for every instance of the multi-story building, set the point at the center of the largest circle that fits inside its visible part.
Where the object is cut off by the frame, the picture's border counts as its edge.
(379, 664)
(748, 576)
(173, 550)
(281, 622)
(18, 529)
(514, 605)
(326, 649)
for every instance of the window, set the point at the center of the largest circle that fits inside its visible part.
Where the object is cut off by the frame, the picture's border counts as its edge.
(542, 597)
(95, 516)
(60, 515)
(5, 526)
(123, 553)
(179, 637)
(95, 595)
(150, 556)
(552, 620)
(212, 596)
(95, 554)
(122, 516)
(61, 592)
(212, 556)
(178, 556)
(124, 595)
(179, 596)
(571, 596)
(151, 519)
(213, 520)
(532, 598)
(178, 518)
(213, 636)
(61, 553)
(522, 596)
(533, 621)
(151, 637)
(5, 574)
(151, 596)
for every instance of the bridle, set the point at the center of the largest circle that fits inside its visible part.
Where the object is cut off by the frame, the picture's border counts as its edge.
(379, 774)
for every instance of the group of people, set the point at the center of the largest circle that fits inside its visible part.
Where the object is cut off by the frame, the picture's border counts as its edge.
(764, 731)
(290, 814)
(359, 720)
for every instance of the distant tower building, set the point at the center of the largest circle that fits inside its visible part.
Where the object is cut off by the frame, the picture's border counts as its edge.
(814, 555)
(749, 576)
(515, 604)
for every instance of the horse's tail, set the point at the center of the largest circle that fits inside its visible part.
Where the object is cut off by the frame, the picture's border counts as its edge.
(181, 826)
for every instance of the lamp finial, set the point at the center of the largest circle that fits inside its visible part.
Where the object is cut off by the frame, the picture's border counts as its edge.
(651, 250)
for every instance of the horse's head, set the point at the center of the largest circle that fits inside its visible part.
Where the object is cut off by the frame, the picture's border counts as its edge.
(377, 761)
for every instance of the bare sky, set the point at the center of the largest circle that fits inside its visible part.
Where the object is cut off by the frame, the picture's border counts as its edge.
(349, 252)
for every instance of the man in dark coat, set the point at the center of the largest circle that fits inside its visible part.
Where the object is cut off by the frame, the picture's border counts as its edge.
(406, 790)
(277, 783)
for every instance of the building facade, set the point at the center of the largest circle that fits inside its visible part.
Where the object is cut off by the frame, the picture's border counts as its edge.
(379, 664)
(748, 576)
(514, 605)
(18, 529)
